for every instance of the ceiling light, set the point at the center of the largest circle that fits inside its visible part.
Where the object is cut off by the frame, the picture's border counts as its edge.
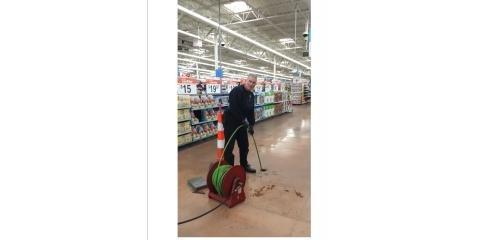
(256, 71)
(238, 51)
(286, 40)
(199, 50)
(238, 6)
(240, 62)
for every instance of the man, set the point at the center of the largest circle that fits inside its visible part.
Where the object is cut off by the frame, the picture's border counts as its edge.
(241, 107)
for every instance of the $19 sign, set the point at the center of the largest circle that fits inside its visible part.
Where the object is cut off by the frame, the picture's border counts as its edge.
(213, 88)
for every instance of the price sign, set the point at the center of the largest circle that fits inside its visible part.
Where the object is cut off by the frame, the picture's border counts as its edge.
(186, 88)
(268, 87)
(213, 88)
(186, 85)
(258, 88)
(230, 87)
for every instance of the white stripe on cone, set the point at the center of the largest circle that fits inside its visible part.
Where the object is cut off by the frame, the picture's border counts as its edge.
(220, 127)
(220, 143)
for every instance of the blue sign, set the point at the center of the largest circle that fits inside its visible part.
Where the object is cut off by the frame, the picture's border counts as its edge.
(219, 72)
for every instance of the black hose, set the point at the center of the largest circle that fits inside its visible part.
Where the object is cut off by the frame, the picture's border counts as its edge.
(199, 216)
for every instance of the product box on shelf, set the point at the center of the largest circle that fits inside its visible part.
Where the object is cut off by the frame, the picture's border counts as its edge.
(278, 97)
(221, 100)
(201, 130)
(202, 101)
(278, 109)
(195, 133)
(188, 138)
(184, 139)
(195, 101)
(183, 101)
(183, 114)
(183, 127)
(205, 102)
(211, 100)
(258, 113)
(213, 115)
(259, 99)
(194, 118)
(206, 129)
(213, 128)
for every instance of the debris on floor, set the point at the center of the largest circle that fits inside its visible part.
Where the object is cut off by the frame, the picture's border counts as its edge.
(299, 194)
(260, 191)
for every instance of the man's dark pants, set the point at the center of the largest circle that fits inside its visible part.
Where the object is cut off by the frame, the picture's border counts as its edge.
(241, 137)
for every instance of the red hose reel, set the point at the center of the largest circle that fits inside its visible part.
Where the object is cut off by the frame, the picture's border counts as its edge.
(232, 186)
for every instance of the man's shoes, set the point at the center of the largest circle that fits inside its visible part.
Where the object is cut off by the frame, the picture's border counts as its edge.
(249, 169)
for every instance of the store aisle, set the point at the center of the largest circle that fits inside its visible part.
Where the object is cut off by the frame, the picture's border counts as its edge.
(278, 201)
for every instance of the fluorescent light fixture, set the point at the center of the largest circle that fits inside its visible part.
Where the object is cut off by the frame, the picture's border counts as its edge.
(237, 7)
(252, 70)
(199, 50)
(236, 50)
(240, 62)
(225, 29)
(286, 40)
(195, 36)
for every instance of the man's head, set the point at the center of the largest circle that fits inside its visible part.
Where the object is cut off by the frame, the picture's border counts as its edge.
(250, 82)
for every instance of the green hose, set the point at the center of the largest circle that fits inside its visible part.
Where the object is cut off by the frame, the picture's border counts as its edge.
(221, 170)
(217, 177)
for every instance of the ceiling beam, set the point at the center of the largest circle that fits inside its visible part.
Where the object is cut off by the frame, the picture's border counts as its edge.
(215, 24)
(266, 17)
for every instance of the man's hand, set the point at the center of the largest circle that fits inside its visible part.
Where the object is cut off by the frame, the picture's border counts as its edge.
(250, 130)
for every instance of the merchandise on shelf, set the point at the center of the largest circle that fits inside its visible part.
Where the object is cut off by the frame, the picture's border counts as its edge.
(195, 134)
(183, 101)
(269, 97)
(205, 102)
(183, 114)
(267, 112)
(202, 101)
(205, 115)
(221, 100)
(259, 99)
(213, 115)
(183, 127)
(211, 100)
(278, 97)
(194, 118)
(195, 101)
(200, 131)
(213, 128)
(278, 109)
(184, 139)
(206, 129)
(258, 113)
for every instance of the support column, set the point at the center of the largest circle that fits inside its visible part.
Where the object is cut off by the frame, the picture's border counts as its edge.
(198, 75)
(216, 51)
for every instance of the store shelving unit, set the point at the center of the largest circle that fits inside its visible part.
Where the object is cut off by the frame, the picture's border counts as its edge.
(300, 93)
(277, 103)
(306, 93)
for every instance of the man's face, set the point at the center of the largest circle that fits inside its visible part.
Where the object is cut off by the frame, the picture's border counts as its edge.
(250, 83)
